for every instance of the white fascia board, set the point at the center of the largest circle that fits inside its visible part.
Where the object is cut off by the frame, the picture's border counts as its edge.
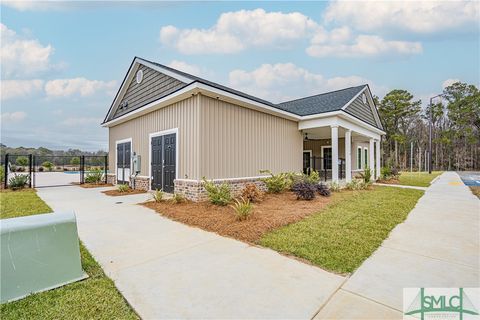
(121, 91)
(164, 71)
(358, 129)
(242, 101)
(353, 99)
(131, 73)
(344, 120)
(157, 104)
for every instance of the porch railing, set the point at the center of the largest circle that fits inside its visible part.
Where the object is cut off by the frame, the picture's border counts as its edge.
(324, 167)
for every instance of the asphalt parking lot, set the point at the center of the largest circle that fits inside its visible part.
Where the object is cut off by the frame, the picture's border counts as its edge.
(470, 178)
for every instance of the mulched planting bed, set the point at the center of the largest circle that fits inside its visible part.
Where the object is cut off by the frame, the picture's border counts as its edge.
(274, 211)
(116, 193)
(95, 185)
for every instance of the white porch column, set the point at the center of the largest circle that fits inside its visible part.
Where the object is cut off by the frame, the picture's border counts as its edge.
(371, 158)
(334, 153)
(348, 155)
(377, 156)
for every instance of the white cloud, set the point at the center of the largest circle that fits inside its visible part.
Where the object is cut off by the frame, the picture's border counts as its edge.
(24, 5)
(19, 88)
(235, 31)
(81, 121)
(77, 86)
(363, 45)
(186, 67)
(286, 81)
(449, 82)
(22, 57)
(412, 16)
(16, 116)
(239, 30)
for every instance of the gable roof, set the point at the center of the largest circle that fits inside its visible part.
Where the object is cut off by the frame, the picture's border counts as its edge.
(320, 103)
(326, 102)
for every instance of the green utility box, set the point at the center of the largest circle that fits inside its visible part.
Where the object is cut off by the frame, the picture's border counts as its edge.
(38, 253)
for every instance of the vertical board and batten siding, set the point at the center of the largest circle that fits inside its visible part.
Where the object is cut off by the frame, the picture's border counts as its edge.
(154, 85)
(362, 111)
(239, 142)
(182, 115)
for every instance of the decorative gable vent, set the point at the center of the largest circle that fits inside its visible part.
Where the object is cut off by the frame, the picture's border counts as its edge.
(364, 98)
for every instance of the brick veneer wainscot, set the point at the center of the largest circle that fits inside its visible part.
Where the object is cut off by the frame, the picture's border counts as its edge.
(194, 190)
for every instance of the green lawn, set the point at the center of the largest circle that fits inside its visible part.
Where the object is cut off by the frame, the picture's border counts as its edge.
(21, 203)
(348, 231)
(93, 298)
(418, 179)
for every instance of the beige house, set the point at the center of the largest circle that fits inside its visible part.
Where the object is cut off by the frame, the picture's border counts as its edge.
(168, 129)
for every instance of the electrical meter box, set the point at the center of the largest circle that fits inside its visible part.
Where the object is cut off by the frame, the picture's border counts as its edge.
(136, 163)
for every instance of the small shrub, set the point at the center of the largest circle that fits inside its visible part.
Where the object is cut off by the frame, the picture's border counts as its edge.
(323, 190)
(334, 187)
(40, 169)
(277, 183)
(314, 177)
(18, 181)
(47, 165)
(243, 209)
(21, 161)
(395, 173)
(366, 175)
(252, 193)
(158, 195)
(59, 168)
(355, 184)
(178, 198)
(304, 190)
(386, 173)
(218, 194)
(95, 176)
(123, 188)
(2, 174)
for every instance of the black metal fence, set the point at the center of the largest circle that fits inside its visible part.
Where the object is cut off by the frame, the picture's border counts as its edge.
(323, 166)
(38, 167)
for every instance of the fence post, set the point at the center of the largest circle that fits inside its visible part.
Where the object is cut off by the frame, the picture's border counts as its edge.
(82, 168)
(30, 158)
(105, 168)
(6, 172)
(34, 161)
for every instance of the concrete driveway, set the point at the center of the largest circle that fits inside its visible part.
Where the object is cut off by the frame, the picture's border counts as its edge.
(168, 270)
(437, 246)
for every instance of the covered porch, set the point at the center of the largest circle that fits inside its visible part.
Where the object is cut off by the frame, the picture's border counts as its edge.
(340, 147)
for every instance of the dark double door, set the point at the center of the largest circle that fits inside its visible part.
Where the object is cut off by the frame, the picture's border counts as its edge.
(123, 162)
(163, 162)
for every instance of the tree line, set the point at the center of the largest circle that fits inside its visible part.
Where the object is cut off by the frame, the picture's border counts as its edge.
(455, 122)
(56, 157)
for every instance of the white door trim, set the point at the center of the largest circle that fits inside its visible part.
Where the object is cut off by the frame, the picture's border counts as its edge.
(117, 142)
(322, 162)
(158, 134)
(311, 154)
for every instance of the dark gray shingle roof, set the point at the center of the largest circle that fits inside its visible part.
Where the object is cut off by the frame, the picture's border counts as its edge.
(325, 102)
(320, 103)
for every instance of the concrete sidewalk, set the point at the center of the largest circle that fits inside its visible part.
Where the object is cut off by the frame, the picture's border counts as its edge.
(168, 270)
(437, 246)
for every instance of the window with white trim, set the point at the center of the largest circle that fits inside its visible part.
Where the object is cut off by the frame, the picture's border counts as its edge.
(366, 157)
(359, 158)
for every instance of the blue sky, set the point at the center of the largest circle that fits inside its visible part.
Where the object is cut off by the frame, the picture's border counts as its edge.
(62, 62)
